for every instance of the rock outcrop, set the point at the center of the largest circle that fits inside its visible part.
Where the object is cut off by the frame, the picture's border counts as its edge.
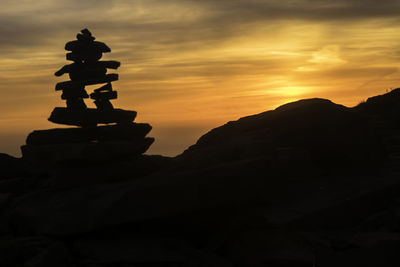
(311, 183)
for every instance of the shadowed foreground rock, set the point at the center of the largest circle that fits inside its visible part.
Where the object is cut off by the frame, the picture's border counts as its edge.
(311, 183)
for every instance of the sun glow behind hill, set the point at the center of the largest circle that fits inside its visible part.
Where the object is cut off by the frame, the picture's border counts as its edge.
(189, 66)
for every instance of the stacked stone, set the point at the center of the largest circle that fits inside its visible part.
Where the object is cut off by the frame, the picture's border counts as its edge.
(87, 69)
(123, 138)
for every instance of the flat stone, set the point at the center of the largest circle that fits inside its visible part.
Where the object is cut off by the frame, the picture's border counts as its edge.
(91, 116)
(109, 64)
(86, 50)
(73, 93)
(104, 88)
(77, 45)
(73, 84)
(92, 56)
(83, 71)
(88, 67)
(88, 75)
(127, 132)
(88, 151)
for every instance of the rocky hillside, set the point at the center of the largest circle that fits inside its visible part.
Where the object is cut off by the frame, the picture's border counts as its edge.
(311, 183)
(312, 131)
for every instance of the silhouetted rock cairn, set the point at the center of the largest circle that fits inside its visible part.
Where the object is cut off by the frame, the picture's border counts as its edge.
(90, 141)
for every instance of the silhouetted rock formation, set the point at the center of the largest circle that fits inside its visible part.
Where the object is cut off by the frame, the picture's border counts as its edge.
(312, 132)
(90, 142)
(311, 183)
(87, 70)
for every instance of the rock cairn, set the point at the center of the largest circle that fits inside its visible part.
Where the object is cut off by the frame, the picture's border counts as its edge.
(89, 141)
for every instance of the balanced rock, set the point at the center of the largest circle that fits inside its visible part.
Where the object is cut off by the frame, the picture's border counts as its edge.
(122, 138)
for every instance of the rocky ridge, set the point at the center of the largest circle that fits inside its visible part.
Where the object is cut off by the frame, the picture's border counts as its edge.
(311, 183)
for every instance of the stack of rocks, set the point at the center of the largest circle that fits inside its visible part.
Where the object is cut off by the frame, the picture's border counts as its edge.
(89, 141)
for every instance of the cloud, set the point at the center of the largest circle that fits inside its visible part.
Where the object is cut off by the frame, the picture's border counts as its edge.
(328, 55)
(169, 23)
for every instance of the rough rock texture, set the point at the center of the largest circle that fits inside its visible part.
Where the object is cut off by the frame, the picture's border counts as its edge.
(311, 183)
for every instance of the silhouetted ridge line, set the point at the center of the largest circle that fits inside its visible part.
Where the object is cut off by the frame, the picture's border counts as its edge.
(316, 128)
(312, 102)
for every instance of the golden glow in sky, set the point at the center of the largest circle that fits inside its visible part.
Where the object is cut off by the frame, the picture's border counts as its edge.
(189, 66)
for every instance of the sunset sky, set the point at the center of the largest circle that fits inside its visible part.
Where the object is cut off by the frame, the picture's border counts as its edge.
(189, 66)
